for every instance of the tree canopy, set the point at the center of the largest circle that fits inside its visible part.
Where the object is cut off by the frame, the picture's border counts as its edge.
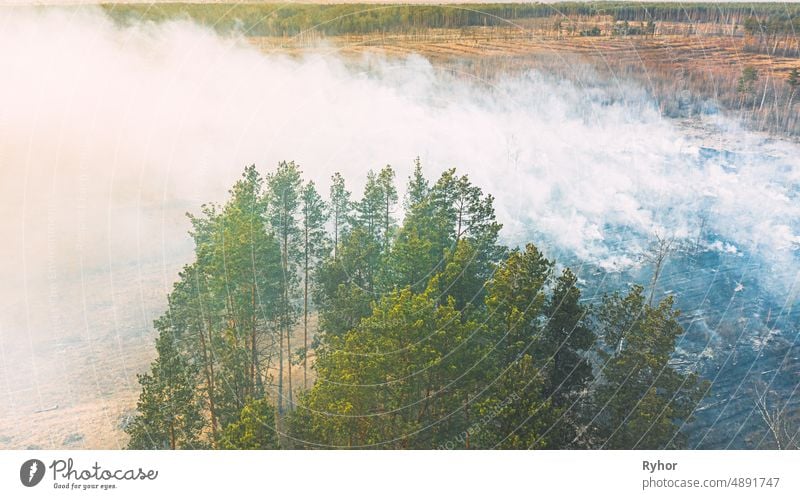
(419, 330)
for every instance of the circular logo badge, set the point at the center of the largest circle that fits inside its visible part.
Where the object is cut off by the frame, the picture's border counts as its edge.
(31, 472)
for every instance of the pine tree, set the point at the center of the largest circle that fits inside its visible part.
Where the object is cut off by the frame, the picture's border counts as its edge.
(418, 187)
(515, 300)
(374, 211)
(237, 274)
(461, 210)
(566, 339)
(283, 202)
(471, 213)
(512, 404)
(369, 210)
(340, 208)
(169, 415)
(255, 428)
(247, 268)
(512, 414)
(222, 307)
(389, 192)
(194, 315)
(452, 210)
(395, 381)
(794, 83)
(315, 247)
(794, 78)
(418, 251)
(371, 228)
(345, 286)
(747, 82)
(643, 400)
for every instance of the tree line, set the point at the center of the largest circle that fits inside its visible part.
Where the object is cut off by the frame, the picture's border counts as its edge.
(259, 19)
(406, 323)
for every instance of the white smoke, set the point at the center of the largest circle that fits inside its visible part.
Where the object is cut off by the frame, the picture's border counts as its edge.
(108, 135)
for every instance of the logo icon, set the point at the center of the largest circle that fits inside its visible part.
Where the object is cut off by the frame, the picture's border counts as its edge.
(31, 472)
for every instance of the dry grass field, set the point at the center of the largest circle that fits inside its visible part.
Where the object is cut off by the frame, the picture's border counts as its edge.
(695, 47)
(704, 61)
(510, 48)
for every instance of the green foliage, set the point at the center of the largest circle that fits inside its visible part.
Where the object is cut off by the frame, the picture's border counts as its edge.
(772, 23)
(335, 19)
(255, 429)
(374, 211)
(419, 248)
(418, 187)
(593, 31)
(431, 333)
(283, 201)
(237, 271)
(747, 81)
(794, 78)
(550, 334)
(394, 381)
(566, 337)
(283, 204)
(314, 216)
(453, 210)
(315, 248)
(513, 415)
(264, 19)
(169, 412)
(516, 300)
(340, 208)
(643, 400)
(389, 200)
(345, 284)
(348, 280)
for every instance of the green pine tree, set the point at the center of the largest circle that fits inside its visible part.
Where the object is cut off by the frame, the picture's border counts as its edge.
(340, 209)
(396, 380)
(315, 248)
(168, 412)
(254, 430)
(563, 346)
(282, 198)
(643, 400)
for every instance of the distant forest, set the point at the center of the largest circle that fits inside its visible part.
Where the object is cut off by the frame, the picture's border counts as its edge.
(293, 19)
(311, 321)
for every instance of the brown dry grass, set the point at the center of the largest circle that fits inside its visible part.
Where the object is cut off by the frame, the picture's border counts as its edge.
(93, 384)
(704, 48)
(704, 61)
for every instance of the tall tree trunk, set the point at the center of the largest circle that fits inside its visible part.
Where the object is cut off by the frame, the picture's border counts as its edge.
(289, 353)
(208, 370)
(286, 311)
(386, 223)
(305, 317)
(253, 345)
(280, 374)
(335, 232)
(460, 220)
(285, 326)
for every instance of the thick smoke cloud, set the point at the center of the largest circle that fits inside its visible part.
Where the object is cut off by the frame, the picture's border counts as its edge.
(109, 135)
